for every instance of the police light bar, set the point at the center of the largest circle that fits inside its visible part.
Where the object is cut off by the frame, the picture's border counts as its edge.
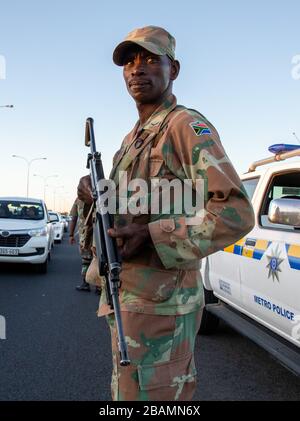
(281, 152)
(282, 147)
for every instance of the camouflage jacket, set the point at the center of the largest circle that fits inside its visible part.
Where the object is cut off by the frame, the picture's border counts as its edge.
(178, 143)
(80, 210)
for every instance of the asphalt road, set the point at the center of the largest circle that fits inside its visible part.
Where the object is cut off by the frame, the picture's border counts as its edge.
(57, 349)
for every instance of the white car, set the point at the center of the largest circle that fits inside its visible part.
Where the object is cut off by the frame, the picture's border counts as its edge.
(254, 284)
(66, 222)
(57, 225)
(26, 235)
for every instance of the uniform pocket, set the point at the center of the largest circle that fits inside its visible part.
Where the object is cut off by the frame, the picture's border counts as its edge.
(171, 374)
(149, 283)
(155, 166)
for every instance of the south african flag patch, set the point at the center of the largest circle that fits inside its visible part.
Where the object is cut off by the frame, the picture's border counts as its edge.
(200, 128)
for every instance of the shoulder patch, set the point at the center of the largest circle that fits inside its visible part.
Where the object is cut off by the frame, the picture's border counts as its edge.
(200, 128)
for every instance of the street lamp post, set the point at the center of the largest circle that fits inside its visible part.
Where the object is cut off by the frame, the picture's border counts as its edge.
(62, 202)
(45, 178)
(29, 162)
(6, 106)
(54, 193)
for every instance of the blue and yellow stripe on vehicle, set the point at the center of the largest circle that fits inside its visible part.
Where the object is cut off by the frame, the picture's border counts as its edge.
(259, 248)
(252, 252)
(236, 248)
(293, 253)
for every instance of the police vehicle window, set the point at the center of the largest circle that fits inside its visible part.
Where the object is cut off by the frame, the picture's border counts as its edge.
(250, 186)
(282, 186)
(20, 210)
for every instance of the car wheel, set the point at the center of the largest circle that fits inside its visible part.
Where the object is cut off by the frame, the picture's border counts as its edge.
(209, 322)
(42, 267)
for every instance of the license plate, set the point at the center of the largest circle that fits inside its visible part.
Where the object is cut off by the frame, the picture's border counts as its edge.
(9, 252)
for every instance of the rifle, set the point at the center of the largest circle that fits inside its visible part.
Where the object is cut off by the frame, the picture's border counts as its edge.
(109, 261)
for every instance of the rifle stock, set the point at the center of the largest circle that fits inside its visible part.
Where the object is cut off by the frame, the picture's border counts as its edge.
(107, 253)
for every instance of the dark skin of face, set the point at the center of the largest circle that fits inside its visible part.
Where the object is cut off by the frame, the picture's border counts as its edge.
(149, 81)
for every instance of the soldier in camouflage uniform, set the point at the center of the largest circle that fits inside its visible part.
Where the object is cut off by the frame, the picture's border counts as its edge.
(161, 294)
(80, 212)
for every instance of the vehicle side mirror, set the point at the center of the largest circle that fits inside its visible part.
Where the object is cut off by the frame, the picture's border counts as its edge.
(285, 211)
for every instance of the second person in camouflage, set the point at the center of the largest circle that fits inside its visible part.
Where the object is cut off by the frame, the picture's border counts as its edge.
(78, 214)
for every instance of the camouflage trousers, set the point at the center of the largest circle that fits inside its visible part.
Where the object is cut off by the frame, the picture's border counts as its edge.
(86, 258)
(161, 350)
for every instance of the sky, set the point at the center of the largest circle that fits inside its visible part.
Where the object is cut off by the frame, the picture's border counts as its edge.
(239, 67)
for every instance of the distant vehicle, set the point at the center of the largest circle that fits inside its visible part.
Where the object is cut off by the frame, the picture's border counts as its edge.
(26, 235)
(254, 284)
(58, 226)
(66, 222)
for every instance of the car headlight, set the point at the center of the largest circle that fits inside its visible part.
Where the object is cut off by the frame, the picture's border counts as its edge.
(39, 232)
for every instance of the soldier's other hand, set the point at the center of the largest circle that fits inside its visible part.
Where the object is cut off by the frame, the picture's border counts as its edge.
(132, 237)
(84, 190)
(72, 241)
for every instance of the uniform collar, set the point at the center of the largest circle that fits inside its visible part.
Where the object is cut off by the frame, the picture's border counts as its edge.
(145, 133)
(156, 119)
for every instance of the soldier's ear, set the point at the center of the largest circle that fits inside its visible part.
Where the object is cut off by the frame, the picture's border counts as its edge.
(175, 69)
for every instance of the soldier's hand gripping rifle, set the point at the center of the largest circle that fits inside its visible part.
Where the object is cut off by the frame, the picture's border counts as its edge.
(107, 252)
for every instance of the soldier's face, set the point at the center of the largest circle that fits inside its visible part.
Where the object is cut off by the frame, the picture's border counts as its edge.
(147, 75)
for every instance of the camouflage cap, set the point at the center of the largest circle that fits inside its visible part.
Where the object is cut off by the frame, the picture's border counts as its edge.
(153, 38)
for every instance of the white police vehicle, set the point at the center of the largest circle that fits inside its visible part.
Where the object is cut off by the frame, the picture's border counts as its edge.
(26, 234)
(254, 284)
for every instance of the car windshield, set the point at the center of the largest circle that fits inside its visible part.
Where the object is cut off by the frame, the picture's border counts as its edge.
(21, 210)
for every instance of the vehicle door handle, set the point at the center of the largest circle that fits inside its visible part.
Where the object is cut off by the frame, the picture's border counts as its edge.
(250, 242)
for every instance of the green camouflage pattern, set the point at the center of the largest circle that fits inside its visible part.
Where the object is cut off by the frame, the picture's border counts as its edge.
(162, 364)
(80, 211)
(161, 293)
(153, 38)
(165, 278)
